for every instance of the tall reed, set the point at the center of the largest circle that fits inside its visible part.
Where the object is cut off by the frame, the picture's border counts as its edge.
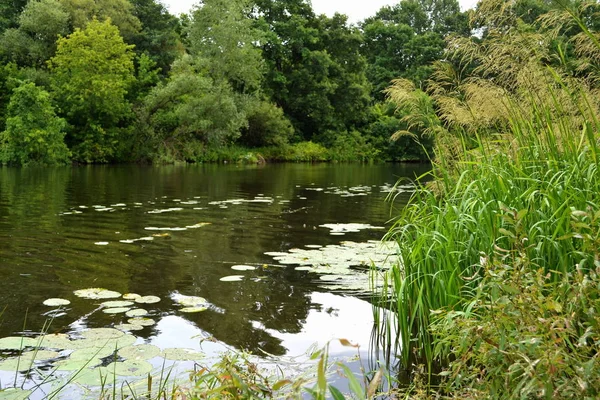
(536, 162)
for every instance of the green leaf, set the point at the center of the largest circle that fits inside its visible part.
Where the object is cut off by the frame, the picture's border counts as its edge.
(354, 384)
(335, 393)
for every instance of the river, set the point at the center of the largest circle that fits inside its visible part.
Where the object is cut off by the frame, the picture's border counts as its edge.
(176, 231)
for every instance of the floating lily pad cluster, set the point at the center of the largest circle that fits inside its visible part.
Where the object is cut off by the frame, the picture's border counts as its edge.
(342, 229)
(343, 192)
(81, 357)
(166, 210)
(191, 304)
(338, 259)
(239, 278)
(129, 305)
(92, 356)
(257, 199)
(335, 262)
(185, 228)
(406, 188)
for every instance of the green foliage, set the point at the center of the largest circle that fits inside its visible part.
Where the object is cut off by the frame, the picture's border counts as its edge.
(307, 151)
(91, 75)
(353, 146)
(528, 333)
(159, 35)
(9, 13)
(396, 135)
(402, 41)
(190, 110)
(34, 134)
(119, 12)
(511, 134)
(34, 41)
(267, 125)
(315, 71)
(223, 39)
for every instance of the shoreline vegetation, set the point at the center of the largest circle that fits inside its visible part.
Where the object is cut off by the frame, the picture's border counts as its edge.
(124, 81)
(497, 292)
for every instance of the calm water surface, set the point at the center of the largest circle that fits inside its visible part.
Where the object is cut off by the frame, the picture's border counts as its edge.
(52, 219)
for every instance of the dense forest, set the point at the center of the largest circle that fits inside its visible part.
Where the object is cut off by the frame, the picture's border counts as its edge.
(104, 81)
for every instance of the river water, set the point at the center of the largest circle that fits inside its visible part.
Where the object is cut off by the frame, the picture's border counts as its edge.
(64, 229)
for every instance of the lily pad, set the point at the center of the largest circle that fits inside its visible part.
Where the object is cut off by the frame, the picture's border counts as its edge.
(181, 354)
(196, 309)
(26, 360)
(147, 299)
(136, 312)
(14, 394)
(56, 302)
(243, 268)
(353, 227)
(117, 304)
(232, 278)
(58, 341)
(91, 353)
(102, 334)
(131, 296)
(77, 364)
(116, 310)
(130, 368)
(108, 344)
(97, 294)
(141, 321)
(188, 301)
(94, 377)
(129, 327)
(198, 225)
(139, 352)
(40, 355)
(16, 343)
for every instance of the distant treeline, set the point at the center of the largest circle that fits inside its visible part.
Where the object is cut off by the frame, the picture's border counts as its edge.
(97, 81)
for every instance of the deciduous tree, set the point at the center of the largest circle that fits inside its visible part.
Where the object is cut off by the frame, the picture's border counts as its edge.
(91, 74)
(34, 133)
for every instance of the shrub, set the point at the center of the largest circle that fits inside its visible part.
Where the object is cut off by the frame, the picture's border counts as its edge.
(34, 134)
(528, 333)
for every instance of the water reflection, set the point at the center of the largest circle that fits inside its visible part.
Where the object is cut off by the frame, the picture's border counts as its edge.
(49, 227)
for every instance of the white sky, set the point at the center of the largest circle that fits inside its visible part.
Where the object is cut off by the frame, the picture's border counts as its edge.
(357, 10)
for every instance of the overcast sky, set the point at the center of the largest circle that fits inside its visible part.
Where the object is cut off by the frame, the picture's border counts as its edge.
(357, 10)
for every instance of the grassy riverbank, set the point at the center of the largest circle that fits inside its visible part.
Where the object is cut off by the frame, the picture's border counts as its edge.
(501, 253)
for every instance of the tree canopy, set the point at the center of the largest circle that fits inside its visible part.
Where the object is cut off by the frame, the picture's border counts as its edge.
(135, 83)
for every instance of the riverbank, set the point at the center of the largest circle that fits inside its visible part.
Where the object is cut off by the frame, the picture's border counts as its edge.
(299, 152)
(499, 283)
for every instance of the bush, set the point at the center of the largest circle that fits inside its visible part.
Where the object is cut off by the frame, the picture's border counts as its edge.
(528, 333)
(267, 125)
(353, 147)
(34, 134)
(307, 151)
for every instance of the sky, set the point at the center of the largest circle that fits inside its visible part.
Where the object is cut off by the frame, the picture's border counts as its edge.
(357, 10)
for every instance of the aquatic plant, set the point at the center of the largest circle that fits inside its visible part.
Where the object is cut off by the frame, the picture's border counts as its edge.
(517, 151)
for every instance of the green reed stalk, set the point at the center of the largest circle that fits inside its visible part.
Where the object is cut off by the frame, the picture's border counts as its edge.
(542, 170)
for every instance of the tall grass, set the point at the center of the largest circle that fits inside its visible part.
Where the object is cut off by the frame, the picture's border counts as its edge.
(536, 164)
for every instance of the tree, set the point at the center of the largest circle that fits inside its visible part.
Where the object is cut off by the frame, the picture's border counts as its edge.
(91, 74)
(179, 117)
(34, 133)
(159, 37)
(120, 13)
(315, 71)
(402, 41)
(9, 13)
(34, 41)
(222, 36)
